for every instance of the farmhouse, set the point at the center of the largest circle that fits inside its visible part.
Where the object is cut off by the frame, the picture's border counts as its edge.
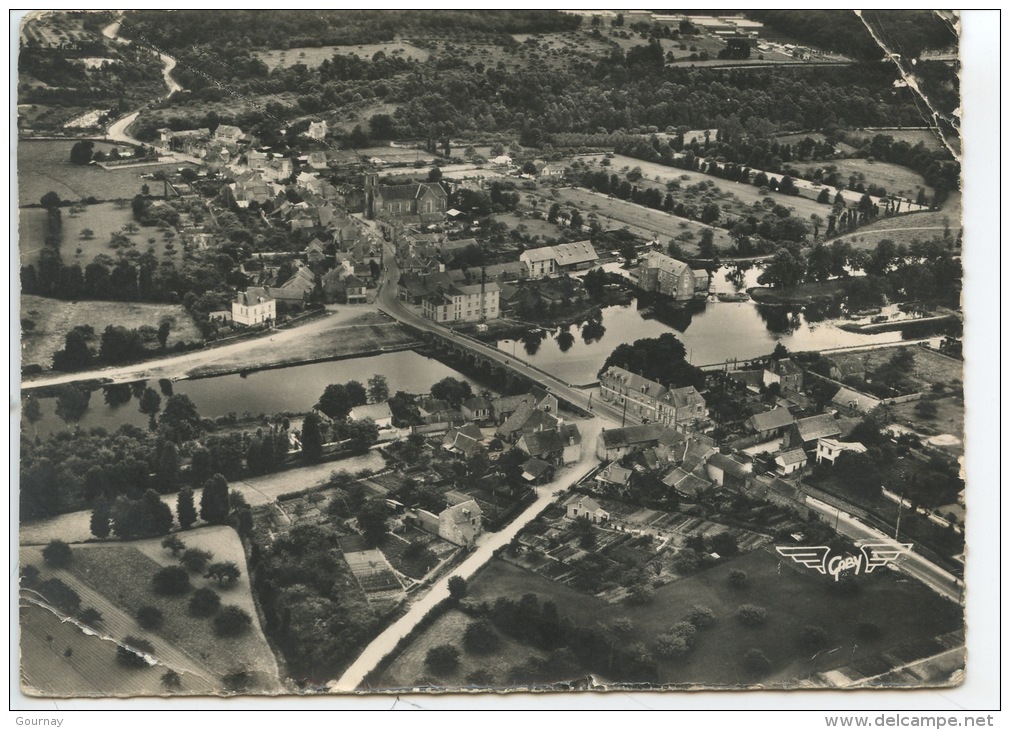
(770, 423)
(789, 461)
(670, 277)
(809, 430)
(829, 449)
(616, 443)
(254, 306)
(461, 523)
(855, 401)
(725, 471)
(538, 263)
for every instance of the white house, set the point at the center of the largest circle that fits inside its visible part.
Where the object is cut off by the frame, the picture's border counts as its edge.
(829, 449)
(254, 306)
(463, 303)
(378, 412)
(789, 461)
(581, 506)
(317, 130)
(538, 262)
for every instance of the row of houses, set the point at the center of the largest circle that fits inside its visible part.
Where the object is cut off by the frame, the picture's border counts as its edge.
(539, 263)
(648, 400)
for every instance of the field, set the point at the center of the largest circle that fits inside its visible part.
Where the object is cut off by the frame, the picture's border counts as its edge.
(44, 166)
(929, 368)
(55, 28)
(409, 670)
(103, 219)
(897, 180)
(115, 579)
(905, 228)
(615, 214)
(53, 319)
(533, 226)
(904, 610)
(949, 420)
(312, 57)
(912, 136)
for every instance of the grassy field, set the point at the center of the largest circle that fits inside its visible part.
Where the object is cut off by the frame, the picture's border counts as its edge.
(102, 219)
(614, 214)
(115, 579)
(912, 136)
(897, 180)
(906, 228)
(121, 574)
(44, 166)
(949, 420)
(930, 367)
(312, 57)
(904, 610)
(364, 331)
(53, 319)
(533, 226)
(409, 670)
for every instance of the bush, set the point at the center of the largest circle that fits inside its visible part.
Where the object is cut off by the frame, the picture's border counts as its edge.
(480, 637)
(90, 616)
(60, 595)
(150, 617)
(751, 616)
(29, 576)
(737, 578)
(756, 662)
(669, 646)
(701, 616)
(57, 554)
(232, 621)
(171, 581)
(442, 659)
(640, 594)
(131, 652)
(457, 587)
(195, 560)
(868, 631)
(684, 630)
(813, 638)
(204, 602)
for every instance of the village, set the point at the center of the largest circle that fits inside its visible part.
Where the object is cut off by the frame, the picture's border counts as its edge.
(439, 404)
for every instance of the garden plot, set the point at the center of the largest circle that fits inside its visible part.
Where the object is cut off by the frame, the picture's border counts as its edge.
(373, 572)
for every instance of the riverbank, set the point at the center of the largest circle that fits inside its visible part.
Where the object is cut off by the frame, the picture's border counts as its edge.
(808, 293)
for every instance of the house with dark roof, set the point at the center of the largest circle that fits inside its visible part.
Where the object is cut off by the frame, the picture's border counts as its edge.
(770, 423)
(651, 401)
(466, 441)
(790, 461)
(503, 408)
(725, 471)
(808, 430)
(461, 523)
(854, 401)
(614, 475)
(686, 482)
(476, 409)
(785, 372)
(615, 443)
(546, 445)
(537, 471)
(670, 277)
(424, 201)
(255, 305)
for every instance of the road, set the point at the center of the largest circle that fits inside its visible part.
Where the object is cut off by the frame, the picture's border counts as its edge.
(913, 565)
(117, 131)
(487, 544)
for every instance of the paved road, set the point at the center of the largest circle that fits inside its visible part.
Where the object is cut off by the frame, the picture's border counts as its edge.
(386, 642)
(914, 565)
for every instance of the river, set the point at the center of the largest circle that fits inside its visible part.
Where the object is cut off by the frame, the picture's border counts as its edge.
(294, 389)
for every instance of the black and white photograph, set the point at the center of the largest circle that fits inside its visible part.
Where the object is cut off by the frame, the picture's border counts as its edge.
(481, 351)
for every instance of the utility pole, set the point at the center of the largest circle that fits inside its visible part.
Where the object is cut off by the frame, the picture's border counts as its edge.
(897, 523)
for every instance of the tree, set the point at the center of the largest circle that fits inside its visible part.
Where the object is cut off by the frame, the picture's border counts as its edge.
(87, 234)
(434, 175)
(640, 594)
(926, 409)
(134, 653)
(204, 602)
(225, 573)
(167, 469)
(783, 271)
(156, 516)
(180, 420)
(90, 616)
(451, 390)
(50, 200)
(378, 389)
(338, 399)
(701, 616)
(442, 659)
(480, 637)
(195, 559)
(813, 638)
(214, 506)
(101, 523)
(164, 329)
(457, 587)
(725, 544)
(60, 595)
(756, 662)
(710, 213)
(575, 223)
(737, 578)
(231, 621)
(82, 152)
(57, 554)
(72, 403)
(185, 509)
(171, 680)
(171, 581)
(312, 437)
(173, 544)
(32, 410)
(751, 616)
(372, 521)
(150, 617)
(669, 646)
(553, 212)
